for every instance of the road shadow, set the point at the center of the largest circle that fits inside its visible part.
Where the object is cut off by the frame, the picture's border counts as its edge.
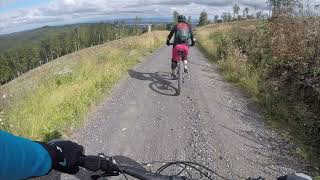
(159, 82)
(247, 114)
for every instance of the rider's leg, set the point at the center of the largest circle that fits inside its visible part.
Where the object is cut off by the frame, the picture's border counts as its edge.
(185, 58)
(173, 68)
(175, 59)
(185, 62)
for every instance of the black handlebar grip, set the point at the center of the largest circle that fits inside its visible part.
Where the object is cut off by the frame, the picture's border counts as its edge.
(90, 163)
(81, 160)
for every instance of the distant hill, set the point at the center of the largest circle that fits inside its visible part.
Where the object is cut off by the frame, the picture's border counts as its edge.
(23, 51)
(19, 39)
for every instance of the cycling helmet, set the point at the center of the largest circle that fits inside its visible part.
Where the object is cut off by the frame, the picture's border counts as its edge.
(182, 18)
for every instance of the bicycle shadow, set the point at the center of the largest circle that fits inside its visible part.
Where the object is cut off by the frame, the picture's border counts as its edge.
(159, 82)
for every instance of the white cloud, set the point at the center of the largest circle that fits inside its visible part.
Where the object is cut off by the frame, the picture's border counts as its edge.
(71, 11)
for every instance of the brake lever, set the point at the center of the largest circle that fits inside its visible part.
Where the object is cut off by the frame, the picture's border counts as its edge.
(109, 172)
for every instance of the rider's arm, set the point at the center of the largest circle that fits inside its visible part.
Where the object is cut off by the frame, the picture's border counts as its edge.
(173, 30)
(22, 158)
(191, 35)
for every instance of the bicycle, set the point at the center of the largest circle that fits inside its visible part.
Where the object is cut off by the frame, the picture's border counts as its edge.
(180, 71)
(121, 165)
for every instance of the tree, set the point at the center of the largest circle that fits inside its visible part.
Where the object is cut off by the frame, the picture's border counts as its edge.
(236, 10)
(229, 17)
(50, 46)
(189, 20)
(203, 19)
(224, 17)
(259, 15)
(246, 12)
(5, 70)
(284, 7)
(216, 18)
(137, 22)
(175, 16)
(317, 9)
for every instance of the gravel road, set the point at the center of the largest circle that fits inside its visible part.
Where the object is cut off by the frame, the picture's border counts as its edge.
(212, 122)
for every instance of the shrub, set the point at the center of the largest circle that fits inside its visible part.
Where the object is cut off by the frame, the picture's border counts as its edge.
(278, 62)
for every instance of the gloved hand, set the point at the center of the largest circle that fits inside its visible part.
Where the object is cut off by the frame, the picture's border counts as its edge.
(64, 155)
(168, 43)
(192, 44)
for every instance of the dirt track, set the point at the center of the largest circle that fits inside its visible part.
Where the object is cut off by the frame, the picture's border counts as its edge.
(211, 122)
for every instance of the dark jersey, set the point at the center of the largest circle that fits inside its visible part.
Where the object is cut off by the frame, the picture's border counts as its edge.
(177, 37)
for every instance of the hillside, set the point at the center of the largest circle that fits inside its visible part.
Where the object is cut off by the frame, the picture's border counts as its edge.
(24, 51)
(18, 39)
(34, 37)
(55, 97)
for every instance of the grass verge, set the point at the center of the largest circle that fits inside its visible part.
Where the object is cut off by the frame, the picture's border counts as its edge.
(53, 99)
(245, 60)
(213, 42)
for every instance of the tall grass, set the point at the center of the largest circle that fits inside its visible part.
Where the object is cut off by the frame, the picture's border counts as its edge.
(61, 99)
(217, 42)
(277, 61)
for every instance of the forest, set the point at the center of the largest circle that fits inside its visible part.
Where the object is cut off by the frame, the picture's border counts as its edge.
(23, 51)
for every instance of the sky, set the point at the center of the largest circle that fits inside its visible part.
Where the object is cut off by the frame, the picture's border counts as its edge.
(19, 15)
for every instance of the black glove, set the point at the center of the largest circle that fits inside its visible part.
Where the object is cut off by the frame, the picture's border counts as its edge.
(168, 43)
(64, 155)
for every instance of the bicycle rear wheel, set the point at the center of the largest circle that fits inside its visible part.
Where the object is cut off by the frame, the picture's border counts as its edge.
(180, 78)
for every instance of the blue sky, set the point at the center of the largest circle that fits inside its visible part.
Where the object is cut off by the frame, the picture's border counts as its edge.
(6, 6)
(19, 15)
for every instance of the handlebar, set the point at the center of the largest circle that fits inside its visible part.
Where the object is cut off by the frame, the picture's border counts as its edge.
(145, 175)
(171, 44)
(112, 168)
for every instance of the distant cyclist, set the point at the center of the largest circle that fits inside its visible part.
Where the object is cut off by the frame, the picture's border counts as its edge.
(182, 32)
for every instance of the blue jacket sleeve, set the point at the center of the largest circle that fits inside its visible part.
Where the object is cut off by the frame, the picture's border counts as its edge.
(22, 158)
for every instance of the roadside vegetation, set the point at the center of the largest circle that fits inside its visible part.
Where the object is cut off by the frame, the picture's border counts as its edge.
(23, 51)
(277, 60)
(51, 100)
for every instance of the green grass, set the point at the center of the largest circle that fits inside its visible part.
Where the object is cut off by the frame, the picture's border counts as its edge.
(213, 42)
(281, 112)
(59, 99)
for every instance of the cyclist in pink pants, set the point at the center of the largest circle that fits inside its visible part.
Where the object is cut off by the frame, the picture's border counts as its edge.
(182, 35)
